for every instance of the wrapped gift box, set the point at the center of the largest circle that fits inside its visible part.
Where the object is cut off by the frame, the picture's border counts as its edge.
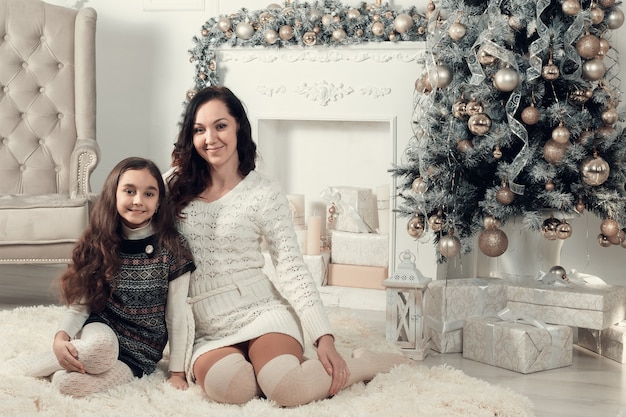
(317, 265)
(449, 302)
(367, 249)
(578, 305)
(356, 209)
(608, 342)
(357, 276)
(516, 345)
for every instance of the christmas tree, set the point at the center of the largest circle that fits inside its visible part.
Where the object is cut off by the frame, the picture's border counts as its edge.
(516, 117)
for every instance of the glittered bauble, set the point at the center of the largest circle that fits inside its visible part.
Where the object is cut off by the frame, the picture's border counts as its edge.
(554, 152)
(309, 38)
(493, 242)
(596, 14)
(570, 7)
(564, 230)
(603, 241)
(415, 227)
(244, 30)
(491, 222)
(530, 115)
(560, 134)
(506, 79)
(419, 185)
(609, 227)
(464, 145)
(449, 246)
(479, 124)
(605, 131)
(457, 31)
(459, 109)
(223, 24)
(485, 57)
(378, 29)
(593, 69)
(270, 36)
(550, 72)
(615, 18)
(606, 3)
(504, 195)
(403, 23)
(339, 34)
(588, 46)
(618, 239)
(594, 170)
(585, 138)
(610, 116)
(473, 107)
(441, 76)
(548, 228)
(435, 222)
(285, 32)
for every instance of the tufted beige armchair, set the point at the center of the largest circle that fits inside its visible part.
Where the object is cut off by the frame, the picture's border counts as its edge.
(48, 147)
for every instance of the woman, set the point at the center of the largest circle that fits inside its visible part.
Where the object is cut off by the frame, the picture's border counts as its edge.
(249, 330)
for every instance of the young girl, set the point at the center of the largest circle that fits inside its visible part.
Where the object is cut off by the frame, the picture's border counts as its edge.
(126, 290)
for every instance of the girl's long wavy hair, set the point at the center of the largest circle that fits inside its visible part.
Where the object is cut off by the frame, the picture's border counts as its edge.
(90, 278)
(192, 173)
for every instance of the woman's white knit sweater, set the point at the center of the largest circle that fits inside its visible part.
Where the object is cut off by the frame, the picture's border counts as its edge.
(232, 299)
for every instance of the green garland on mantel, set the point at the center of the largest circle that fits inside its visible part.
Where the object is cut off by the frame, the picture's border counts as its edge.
(327, 23)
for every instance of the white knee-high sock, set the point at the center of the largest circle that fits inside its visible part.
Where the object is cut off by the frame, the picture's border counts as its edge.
(76, 384)
(231, 380)
(289, 383)
(38, 365)
(98, 348)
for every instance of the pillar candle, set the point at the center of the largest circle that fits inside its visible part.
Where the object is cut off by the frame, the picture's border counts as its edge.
(296, 205)
(382, 203)
(313, 235)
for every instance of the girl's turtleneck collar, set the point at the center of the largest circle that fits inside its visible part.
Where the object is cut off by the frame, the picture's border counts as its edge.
(138, 233)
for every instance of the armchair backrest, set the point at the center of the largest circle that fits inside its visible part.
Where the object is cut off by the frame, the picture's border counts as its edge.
(47, 98)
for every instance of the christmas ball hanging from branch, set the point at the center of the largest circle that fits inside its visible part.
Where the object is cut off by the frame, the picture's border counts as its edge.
(594, 170)
(479, 124)
(506, 79)
(449, 245)
(493, 242)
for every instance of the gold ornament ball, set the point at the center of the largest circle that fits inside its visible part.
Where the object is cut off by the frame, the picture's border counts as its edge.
(459, 109)
(403, 23)
(327, 19)
(623, 242)
(593, 69)
(615, 19)
(378, 29)
(485, 57)
(618, 239)
(550, 72)
(579, 96)
(594, 170)
(285, 32)
(449, 246)
(423, 84)
(605, 131)
(554, 152)
(549, 228)
(570, 7)
(504, 195)
(270, 36)
(309, 38)
(464, 145)
(339, 34)
(497, 153)
(415, 227)
(506, 79)
(493, 242)
(610, 116)
(419, 185)
(560, 134)
(353, 13)
(580, 206)
(596, 15)
(479, 124)
(457, 31)
(609, 227)
(588, 46)
(530, 115)
(564, 230)
(605, 46)
(244, 30)
(491, 222)
(435, 222)
(603, 241)
(606, 3)
(223, 24)
(549, 186)
(473, 107)
(585, 138)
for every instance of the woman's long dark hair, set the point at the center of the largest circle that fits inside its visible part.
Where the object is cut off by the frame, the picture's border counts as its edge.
(95, 258)
(192, 173)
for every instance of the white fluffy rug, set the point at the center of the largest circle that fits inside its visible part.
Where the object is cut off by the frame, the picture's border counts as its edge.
(405, 391)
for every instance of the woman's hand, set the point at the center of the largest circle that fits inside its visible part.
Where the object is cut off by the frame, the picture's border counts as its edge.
(66, 353)
(333, 363)
(178, 380)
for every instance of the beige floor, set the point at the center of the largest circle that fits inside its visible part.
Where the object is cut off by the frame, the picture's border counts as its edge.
(592, 387)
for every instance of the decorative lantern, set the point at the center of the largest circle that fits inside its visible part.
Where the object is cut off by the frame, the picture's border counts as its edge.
(405, 308)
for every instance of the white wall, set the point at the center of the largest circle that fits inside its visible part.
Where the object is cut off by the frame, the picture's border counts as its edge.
(144, 72)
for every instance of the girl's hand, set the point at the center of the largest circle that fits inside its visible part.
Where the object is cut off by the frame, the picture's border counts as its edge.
(178, 380)
(66, 353)
(334, 364)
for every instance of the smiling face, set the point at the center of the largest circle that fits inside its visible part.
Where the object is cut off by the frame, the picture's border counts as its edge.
(137, 197)
(215, 135)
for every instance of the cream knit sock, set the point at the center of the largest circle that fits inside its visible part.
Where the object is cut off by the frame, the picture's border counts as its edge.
(38, 365)
(231, 380)
(76, 384)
